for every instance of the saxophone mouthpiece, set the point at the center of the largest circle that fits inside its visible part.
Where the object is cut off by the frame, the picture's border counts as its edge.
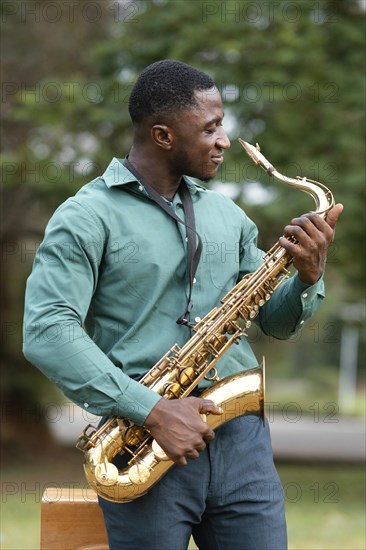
(257, 157)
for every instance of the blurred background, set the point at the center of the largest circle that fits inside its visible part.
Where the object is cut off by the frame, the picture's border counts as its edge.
(291, 74)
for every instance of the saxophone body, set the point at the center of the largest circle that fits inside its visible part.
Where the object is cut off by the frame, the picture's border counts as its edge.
(181, 369)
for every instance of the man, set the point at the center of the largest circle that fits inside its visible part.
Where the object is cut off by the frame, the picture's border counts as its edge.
(111, 279)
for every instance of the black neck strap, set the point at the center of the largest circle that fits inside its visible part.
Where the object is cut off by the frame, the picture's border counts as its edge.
(193, 249)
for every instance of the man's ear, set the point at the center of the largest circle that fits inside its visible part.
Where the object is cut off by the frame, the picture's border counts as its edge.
(163, 136)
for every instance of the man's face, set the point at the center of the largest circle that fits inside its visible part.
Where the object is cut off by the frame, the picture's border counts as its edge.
(200, 139)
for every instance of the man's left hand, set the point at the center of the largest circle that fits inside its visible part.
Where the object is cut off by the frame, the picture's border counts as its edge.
(314, 235)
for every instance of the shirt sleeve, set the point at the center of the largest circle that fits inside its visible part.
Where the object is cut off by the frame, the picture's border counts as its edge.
(293, 302)
(291, 305)
(58, 295)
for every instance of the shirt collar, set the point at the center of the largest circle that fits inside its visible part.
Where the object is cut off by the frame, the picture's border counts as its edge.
(117, 174)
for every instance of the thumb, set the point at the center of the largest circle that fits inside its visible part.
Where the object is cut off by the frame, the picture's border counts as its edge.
(333, 215)
(207, 406)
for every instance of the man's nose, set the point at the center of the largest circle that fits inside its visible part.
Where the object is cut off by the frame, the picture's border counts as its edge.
(223, 141)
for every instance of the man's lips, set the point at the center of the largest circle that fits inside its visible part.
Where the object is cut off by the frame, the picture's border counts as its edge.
(218, 159)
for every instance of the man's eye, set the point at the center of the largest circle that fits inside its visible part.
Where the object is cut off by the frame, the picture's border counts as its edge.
(213, 129)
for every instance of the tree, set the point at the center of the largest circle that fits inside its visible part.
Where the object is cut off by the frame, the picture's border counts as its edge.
(290, 73)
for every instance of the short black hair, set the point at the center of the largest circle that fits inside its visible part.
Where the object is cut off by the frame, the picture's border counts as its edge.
(166, 87)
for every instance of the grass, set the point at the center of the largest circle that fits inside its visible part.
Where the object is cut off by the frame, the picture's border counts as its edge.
(325, 503)
(325, 506)
(28, 471)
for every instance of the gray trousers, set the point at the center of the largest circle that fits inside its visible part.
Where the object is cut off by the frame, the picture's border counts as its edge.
(230, 498)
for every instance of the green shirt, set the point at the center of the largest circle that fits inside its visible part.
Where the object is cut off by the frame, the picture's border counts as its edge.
(109, 282)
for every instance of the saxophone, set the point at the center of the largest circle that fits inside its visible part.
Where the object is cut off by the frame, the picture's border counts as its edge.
(181, 369)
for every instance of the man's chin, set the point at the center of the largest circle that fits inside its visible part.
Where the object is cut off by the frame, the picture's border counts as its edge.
(206, 179)
(202, 177)
(208, 175)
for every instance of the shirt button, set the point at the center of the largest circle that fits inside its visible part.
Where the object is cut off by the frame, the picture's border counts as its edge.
(186, 239)
(194, 281)
(141, 187)
(197, 319)
(302, 322)
(86, 405)
(305, 295)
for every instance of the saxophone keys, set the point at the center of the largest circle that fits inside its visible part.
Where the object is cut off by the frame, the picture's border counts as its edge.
(199, 357)
(134, 435)
(216, 343)
(159, 453)
(187, 376)
(106, 473)
(213, 376)
(138, 474)
(173, 390)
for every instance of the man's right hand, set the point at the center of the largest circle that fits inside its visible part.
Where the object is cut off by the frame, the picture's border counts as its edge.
(179, 429)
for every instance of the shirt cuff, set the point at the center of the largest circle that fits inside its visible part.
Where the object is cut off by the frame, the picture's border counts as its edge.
(138, 401)
(311, 297)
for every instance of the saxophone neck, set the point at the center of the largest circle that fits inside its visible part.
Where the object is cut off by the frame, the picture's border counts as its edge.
(322, 196)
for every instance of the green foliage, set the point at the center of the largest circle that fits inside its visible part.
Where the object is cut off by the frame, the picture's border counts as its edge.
(290, 73)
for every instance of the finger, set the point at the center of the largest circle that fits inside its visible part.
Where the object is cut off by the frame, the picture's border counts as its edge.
(193, 455)
(208, 436)
(201, 447)
(333, 215)
(310, 224)
(288, 245)
(313, 222)
(181, 461)
(303, 237)
(207, 406)
(301, 230)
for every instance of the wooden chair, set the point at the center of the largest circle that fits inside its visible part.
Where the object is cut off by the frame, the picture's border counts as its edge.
(71, 520)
